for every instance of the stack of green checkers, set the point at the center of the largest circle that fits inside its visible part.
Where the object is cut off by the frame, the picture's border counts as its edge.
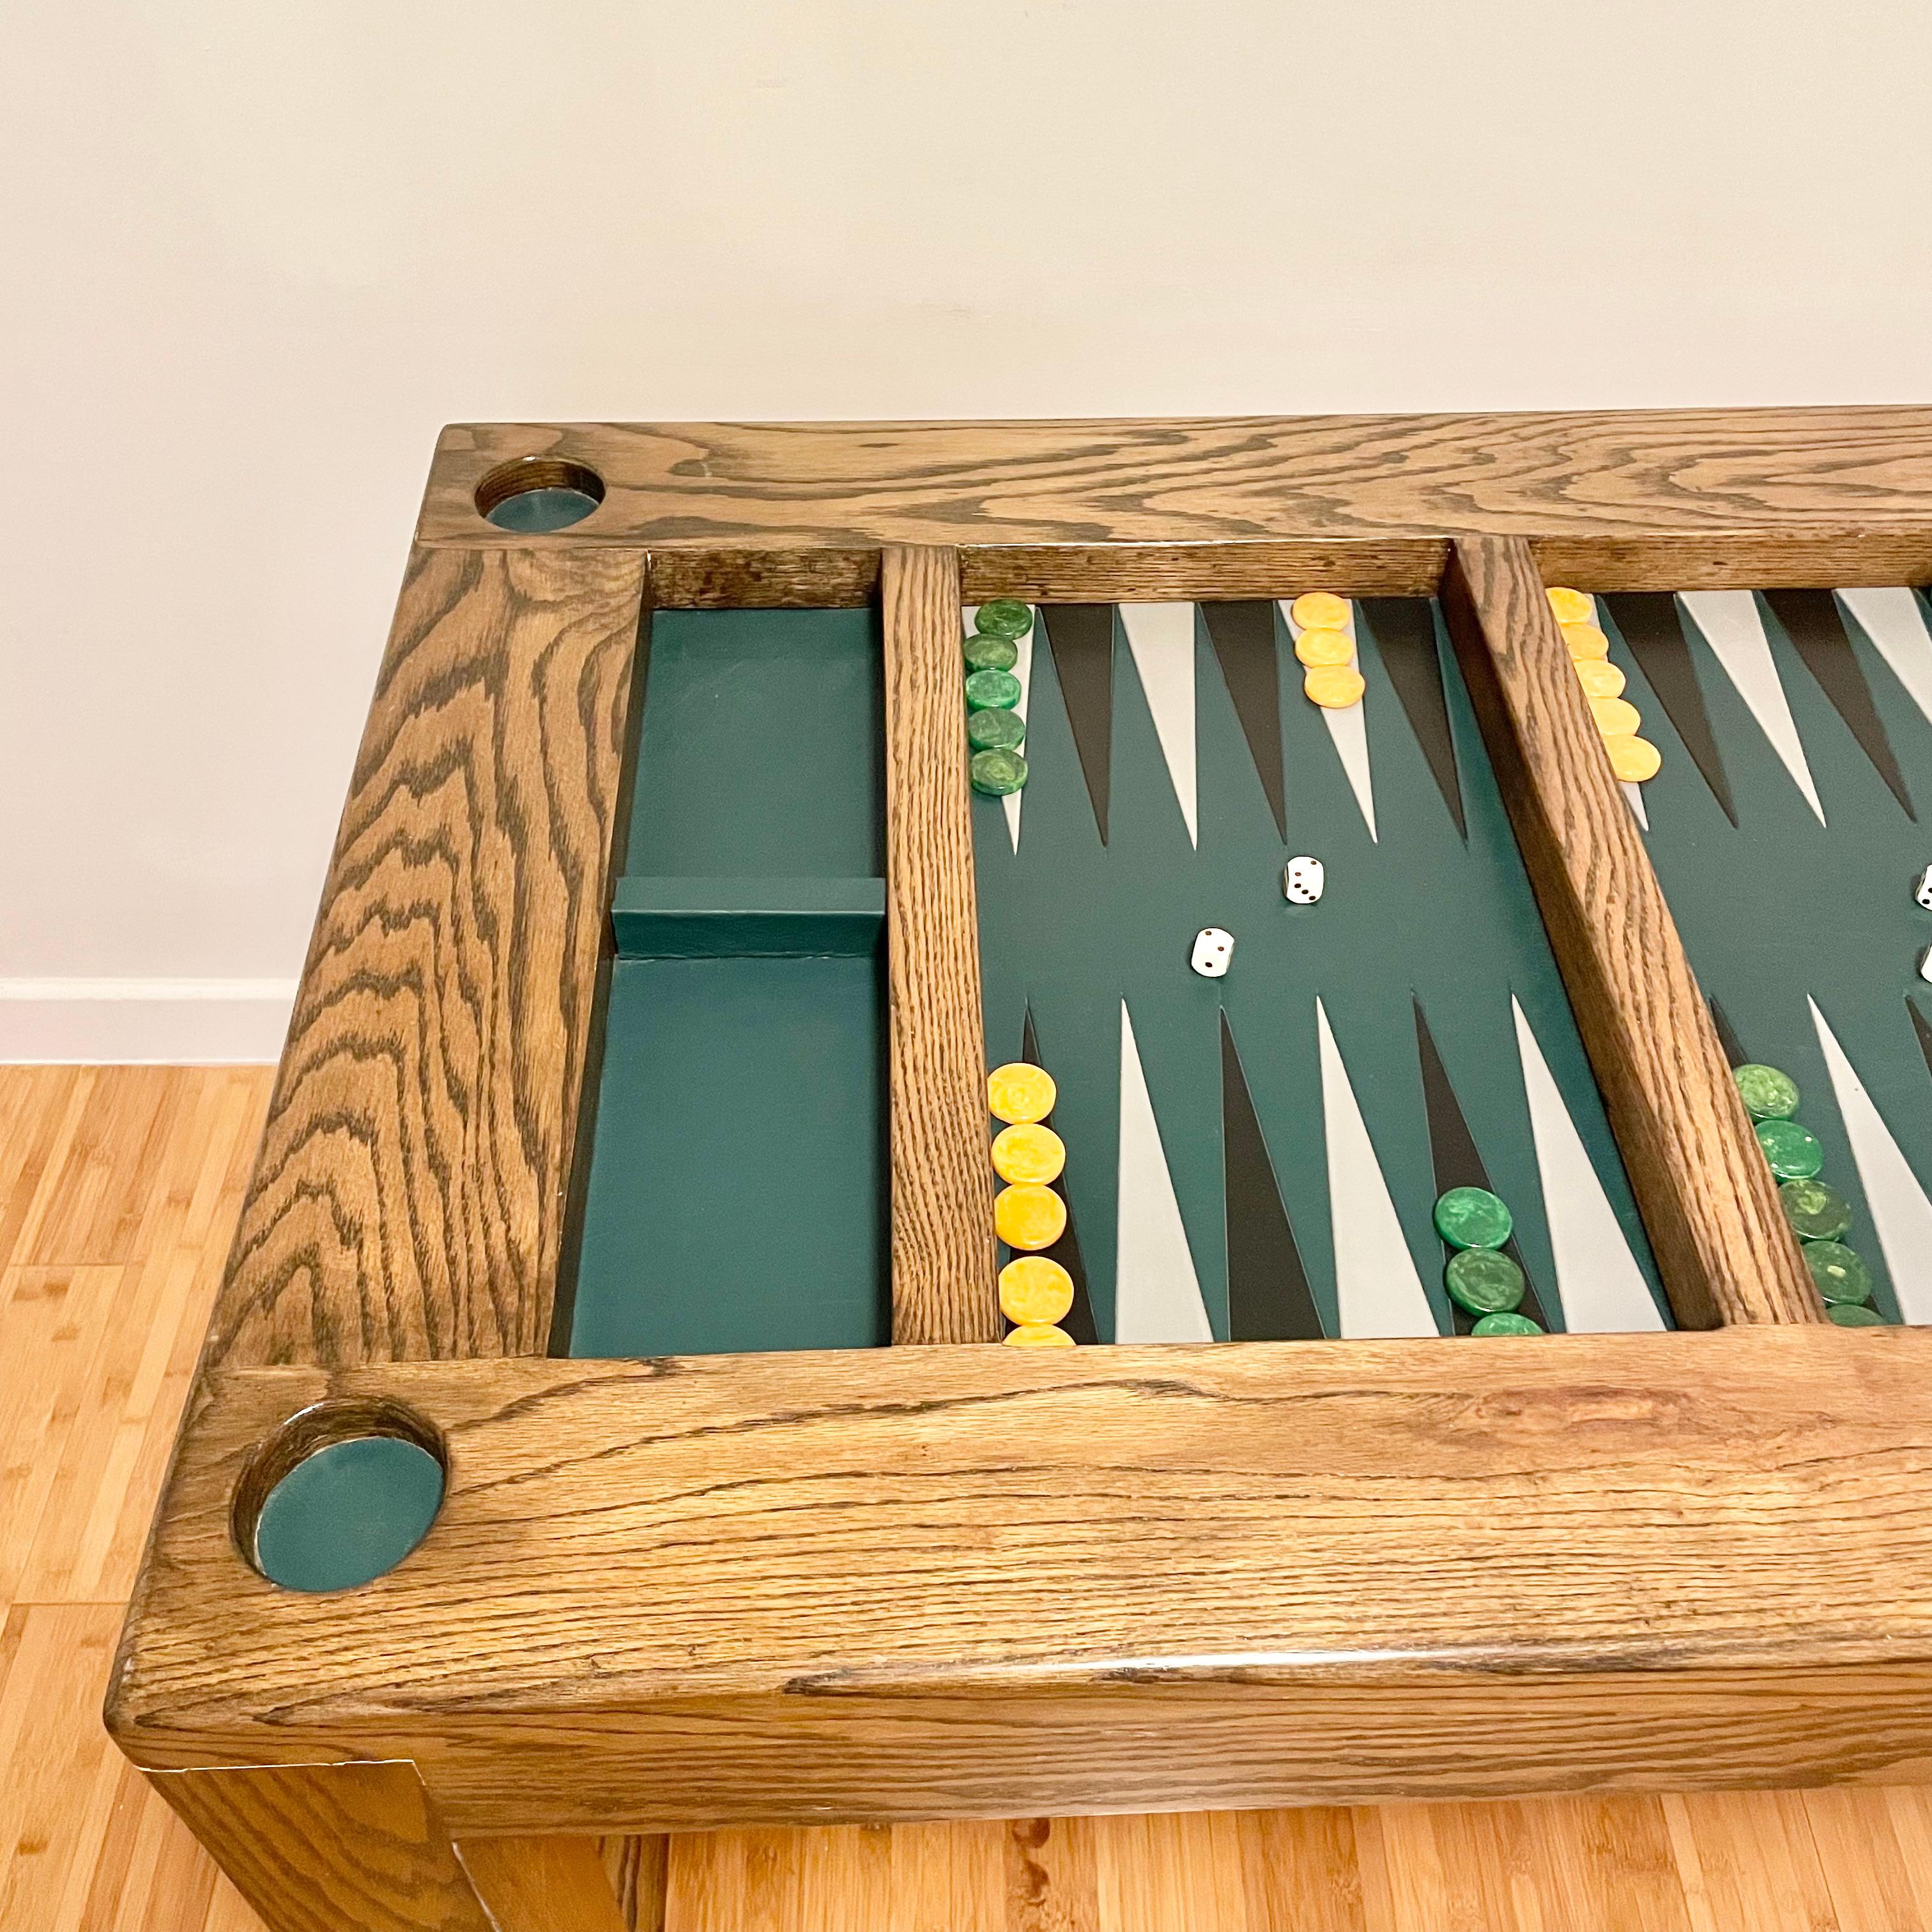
(1820, 1216)
(1479, 1276)
(994, 728)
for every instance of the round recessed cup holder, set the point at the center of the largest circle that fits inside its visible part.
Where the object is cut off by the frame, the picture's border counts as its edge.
(536, 493)
(340, 1494)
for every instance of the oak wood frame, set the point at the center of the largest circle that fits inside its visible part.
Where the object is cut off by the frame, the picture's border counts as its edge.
(1428, 1569)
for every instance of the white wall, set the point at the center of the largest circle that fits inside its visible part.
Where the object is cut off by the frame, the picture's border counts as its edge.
(252, 255)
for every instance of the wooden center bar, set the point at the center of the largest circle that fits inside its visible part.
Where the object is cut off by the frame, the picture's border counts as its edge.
(959, 1581)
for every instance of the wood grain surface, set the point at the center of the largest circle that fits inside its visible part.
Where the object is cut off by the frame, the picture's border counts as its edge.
(966, 1582)
(332, 1847)
(408, 1200)
(1631, 487)
(1707, 1195)
(118, 1189)
(543, 1884)
(942, 1180)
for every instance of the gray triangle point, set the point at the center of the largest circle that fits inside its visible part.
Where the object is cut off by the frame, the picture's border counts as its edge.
(1160, 639)
(1901, 1214)
(1378, 1290)
(1598, 1281)
(1156, 1290)
(1733, 627)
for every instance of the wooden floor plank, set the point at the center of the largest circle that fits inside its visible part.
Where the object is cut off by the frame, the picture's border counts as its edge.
(151, 1876)
(1302, 1869)
(1747, 1863)
(948, 1878)
(94, 1198)
(52, 1323)
(58, 1773)
(41, 1109)
(89, 1537)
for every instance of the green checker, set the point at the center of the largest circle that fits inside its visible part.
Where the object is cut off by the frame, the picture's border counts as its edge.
(1484, 1281)
(1004, 617)
(1794, 1151)
(1855, 1315)
(1473, 1217)
(991, 691)
(1506, 1323)
(997, 773)
(1817, 1213)
(1768, 1094)
(985, 653)
(1840, 1272)
(995, 730)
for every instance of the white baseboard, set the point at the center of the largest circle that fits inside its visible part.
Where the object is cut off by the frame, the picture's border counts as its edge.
(176, 1022)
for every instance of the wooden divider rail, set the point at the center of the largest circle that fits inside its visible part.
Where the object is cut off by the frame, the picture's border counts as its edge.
(698, 1591)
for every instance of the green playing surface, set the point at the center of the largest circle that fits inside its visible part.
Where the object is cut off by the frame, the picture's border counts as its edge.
(1254, 1208)
(737, 1192)
(1796, 905)
(1407, 1034)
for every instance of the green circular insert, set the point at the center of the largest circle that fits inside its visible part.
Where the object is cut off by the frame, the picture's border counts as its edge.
(1473, 1217)
(991, 691)
(985, 653)
(997, 773)
(1484, 1281)
(1817, 1213)
(1855, 1315)
(348, 1513)
(1794, 1151)
(1768, 1094)
(1505, 1323)
(1840, 1272)
(1004, 617)
(995, 730)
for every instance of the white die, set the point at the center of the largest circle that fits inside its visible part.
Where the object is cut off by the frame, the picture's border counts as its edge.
(1301, 884)
(1924, 893)
(1213, 950)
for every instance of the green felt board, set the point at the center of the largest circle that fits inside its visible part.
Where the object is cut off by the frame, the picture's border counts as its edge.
(348, 1513)
(1071, 925)
(737, 1190)
(761, 751)
(737, 1194)
(1778, 907)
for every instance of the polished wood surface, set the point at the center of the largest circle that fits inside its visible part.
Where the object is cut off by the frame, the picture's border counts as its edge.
(332, 1847)
(409, 1200)
(1708, 1199)
(980, 1581)
(942, 1180)
(118, 1188)
(1636, 499)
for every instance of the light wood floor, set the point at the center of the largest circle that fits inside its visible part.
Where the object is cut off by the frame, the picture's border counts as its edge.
(118, 1189)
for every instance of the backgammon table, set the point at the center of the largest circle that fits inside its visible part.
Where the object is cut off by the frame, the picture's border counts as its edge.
(620, 1265)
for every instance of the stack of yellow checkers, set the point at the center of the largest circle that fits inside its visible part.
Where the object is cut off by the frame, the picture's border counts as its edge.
(1035, 1292)
(1632, 758)
(1327, 653)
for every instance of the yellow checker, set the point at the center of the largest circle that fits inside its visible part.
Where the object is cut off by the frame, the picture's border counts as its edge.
(1586, 641)
(1616, 717)
(1038, 1335)
(1029, 1216)
(1633, 760)
(1019, 1093)
(1324, 647)
(1600, 678)
(1033, 1288)
(1572, 606)
(1028, 1152)
(1320, 610)
(1334, 687)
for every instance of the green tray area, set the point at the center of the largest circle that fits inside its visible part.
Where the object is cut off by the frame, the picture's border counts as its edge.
(737, 1191)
